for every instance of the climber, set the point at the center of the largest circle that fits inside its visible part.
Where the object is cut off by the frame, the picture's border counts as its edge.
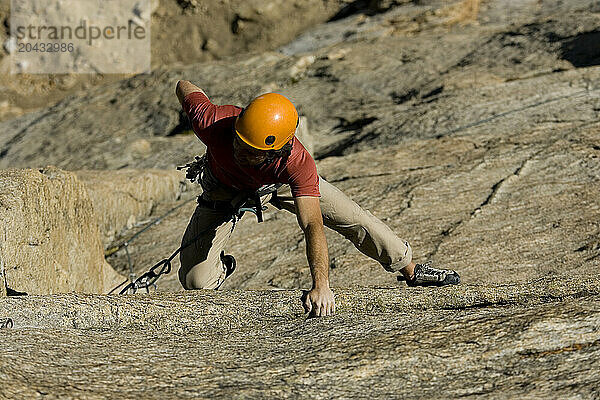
(250, 147)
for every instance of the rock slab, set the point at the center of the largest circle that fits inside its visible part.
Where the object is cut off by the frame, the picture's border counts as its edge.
(538, 339)
(123, 198)
(49, 238)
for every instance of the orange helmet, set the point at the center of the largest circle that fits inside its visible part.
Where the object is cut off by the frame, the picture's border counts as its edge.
(268, 123)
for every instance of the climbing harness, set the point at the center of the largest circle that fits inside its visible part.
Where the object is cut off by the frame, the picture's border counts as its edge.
(197, 171)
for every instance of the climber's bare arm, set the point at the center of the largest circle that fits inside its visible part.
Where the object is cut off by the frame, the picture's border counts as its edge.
(319, 301)
(184, 88)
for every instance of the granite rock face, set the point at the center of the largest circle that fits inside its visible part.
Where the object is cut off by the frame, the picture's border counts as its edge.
(72, 212)
(534, 340)
(50, 241)
(476, 142)
(471, 129)
(182, 31)
(361, 81)
(124, 199)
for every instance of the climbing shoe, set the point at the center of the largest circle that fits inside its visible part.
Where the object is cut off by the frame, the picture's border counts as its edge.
(229, 262)
(426, 275)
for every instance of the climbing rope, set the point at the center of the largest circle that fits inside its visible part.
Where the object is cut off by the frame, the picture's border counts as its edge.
(125, 245)
(163, 267)
(195, 173)
(148, 279)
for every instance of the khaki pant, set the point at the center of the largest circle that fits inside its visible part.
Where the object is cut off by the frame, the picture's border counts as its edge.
(201, 266)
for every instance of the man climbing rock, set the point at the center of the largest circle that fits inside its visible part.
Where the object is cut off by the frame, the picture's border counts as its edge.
(249, 148)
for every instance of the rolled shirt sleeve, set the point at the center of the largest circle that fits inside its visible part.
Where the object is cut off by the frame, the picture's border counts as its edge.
(301, 174)
(202, 113)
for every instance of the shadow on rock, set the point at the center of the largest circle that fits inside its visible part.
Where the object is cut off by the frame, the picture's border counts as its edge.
(583, 50)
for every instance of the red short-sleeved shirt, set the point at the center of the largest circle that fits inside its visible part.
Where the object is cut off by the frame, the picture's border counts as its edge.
(214, 125)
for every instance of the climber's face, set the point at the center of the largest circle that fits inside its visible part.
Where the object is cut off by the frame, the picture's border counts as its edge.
(245, 155)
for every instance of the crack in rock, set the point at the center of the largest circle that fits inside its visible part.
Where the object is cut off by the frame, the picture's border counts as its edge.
(496, 187)
(569, 348)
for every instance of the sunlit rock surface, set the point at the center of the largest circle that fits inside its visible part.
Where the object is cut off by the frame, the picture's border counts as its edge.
(474, 135)
(49, 241)
(538, 340)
